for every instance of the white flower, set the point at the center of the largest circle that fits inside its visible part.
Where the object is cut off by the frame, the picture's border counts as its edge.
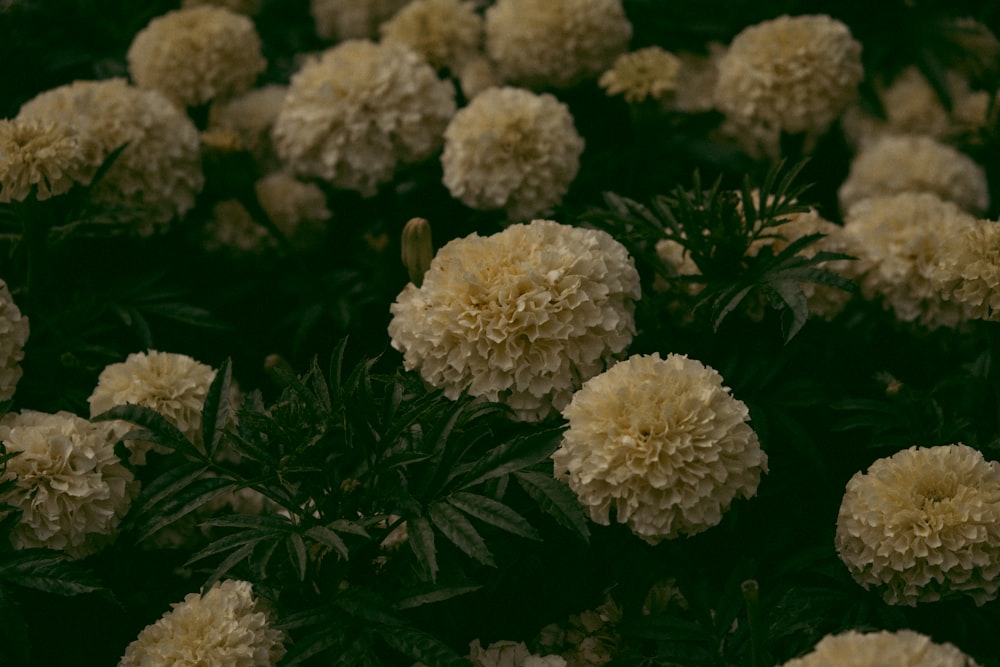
(555, 43)
(792, 74)
(42, 157)
(523, 316)
(357, 112)
(196, 54)
(447, 33)
(14, 330)
(232, 230)
(903, 648)
(71, 488)
(511, 149)
(967, 270)
(647, 73)
(907, 163)
(158, 173)
(663, 443)
(296, 208)
(510, 654)
(587, 639)
(175, 385)
(924, 524)
(341, 20)
(222, 628)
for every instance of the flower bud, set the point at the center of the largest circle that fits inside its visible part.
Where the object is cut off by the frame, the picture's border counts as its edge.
(418, 249)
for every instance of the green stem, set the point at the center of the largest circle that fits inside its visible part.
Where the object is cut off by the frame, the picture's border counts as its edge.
(751, 597)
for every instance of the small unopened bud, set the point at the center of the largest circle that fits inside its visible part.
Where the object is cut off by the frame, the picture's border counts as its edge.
(418, 250)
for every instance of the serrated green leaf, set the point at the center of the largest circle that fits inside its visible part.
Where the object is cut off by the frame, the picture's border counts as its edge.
(555, 499)
(215, 409)
(345, 526)
(235, 540)
(167, 484)
(229, 562)
(161, 431)
(422, 647)
(788, 297)
(48, 571)
(460, 532)
(429, 595)
(297, 553)
(517, 454)
(420, 537)
(193, 496)
(324, 535)
(494, 513)
(312, 645)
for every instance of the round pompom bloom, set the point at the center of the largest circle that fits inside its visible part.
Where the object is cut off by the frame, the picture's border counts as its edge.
(511, 149)
(14, 330)
(341, 20)
(968, 269)
(447, 33)
(477, 75)
(297, 209)
(555, 43)
(650, 72)
(510, 654)
(194, 55)
(251, 116)
(903, 648)
(175, 385)
(897, 243)
(661, 441)
(221, 628)
(521, 317)
(70, 487)
(792, 74)
(158, 174)
(924, 524)
(42, 157)
(909, 163)
(232, 230)
(695, 91)
(357, 112)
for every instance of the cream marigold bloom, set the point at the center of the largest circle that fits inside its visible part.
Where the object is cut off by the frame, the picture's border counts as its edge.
(555, 43)
(196, 54)
(909, 163)
(476, 75)
(14, 330)
(296, 208)
(897, 243)
(42, 157)
(511, 149)
(510, 654)
(70, 487)
(175, 385)
(232, 230)
(251, 115)
(361, 109)
(793, 73)
(224, 627)
(342, 20)
(924, 524)
(968, 269)
(521, 317)
(646, 73)
(447, 33)
(903, 648)
(663, 443)
(158, 174)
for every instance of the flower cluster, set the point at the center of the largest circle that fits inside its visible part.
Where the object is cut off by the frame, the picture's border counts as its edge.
(588, 639)
(511, 149)
(661, 442)
(521, 317)
(447, 33)
(510, 654)
(42, 157)
(221, 628)
(967, 270)
(251, 115)
(14, 330)
(70, 487)
(358, 111)
(924, 524)
(877, 649)
(647, 73)
(296, 208)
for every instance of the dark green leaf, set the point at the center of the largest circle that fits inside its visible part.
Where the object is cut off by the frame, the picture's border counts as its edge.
(494, 513)
(297, 553)
(193, 496)
(324, 535)
(556, 499)
(422, 647)
(47, 571)
(215, 409)
(420, 537)
(460, 532)
(229, 562)
(429, 595)
(517, 454)
(161, 431)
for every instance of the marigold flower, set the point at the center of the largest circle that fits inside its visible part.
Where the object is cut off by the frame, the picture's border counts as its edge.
(878, 649)
(793, 73)
(158, 174)
(224, 627)
(232, 230)
(521, 317)
(476, 75)
(196, 54)
(587, 639)
(555, 43)
(663, 443)
(511, 149)
(70, 487)
(42, 157)
(175, 385)
(360, 110)
(341, 20)
(924, 524)
(14, 330)
(905, 163)
(968, 269)
(446, 33)
(510, 654)
(646, 73)
(296, 208)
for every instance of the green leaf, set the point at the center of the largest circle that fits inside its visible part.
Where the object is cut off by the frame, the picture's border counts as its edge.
(48, 571)
(420, 537)
(494, 513)
(460, 532)
(791, 300)
(229, 562)
(193, 496)
(430, 594)
(159, 429)
(422, 647)
(517, 454)
(555, 499)
(297, 553)
(324, 535)
(167, 484)
(215, 409)
(312, 645)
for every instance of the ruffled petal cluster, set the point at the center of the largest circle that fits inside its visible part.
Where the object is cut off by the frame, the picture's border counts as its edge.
(968, 269)
(510, 654)
(555, 43)
(523, 316)
(588, 639)
(361, 109)
(647, 73)
(792, 74)
(341, 20)
(296, 208)
(924, 524)
(908, 163)
(14, 330)
(70, 487)
(447, 33)
(175, 385)
(511, 149)
(903, 648)
(897, 242)
(194, 55)
(251, 116)
(662, 443)
(42, 157)
(221, 628)
(158, 174)
(230, 229)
